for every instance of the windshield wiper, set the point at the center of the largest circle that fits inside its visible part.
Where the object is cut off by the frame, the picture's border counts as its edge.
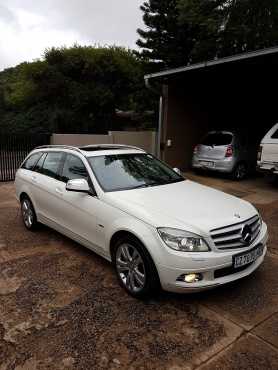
(144, 185)
(158, 183)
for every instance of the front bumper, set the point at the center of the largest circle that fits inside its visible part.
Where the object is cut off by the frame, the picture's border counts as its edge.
(207, 266)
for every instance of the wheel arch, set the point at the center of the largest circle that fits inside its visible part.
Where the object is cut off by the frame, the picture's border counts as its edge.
(119, 234)
(122, 233)
(23, 195)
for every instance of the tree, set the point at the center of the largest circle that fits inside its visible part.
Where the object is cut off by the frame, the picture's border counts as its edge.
(73, 90)
(165, 42)
(248, 25)
(205, 20)
(185, 31)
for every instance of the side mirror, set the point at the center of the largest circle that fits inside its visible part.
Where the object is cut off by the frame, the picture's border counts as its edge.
(78, 186)
(177, 170)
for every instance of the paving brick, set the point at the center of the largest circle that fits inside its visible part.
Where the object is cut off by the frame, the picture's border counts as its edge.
(248, 353)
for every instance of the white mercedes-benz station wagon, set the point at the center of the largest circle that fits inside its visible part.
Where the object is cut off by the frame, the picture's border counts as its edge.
(156, 227)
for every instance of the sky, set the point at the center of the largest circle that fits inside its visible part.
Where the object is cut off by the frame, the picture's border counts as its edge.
(28, 27)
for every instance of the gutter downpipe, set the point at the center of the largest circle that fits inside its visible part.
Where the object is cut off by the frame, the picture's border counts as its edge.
(160, 119)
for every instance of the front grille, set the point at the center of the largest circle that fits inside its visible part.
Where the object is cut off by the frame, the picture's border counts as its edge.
(229, 237)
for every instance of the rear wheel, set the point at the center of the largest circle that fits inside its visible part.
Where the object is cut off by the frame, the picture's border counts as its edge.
(28, 214)
(135, 269)
(240, 171)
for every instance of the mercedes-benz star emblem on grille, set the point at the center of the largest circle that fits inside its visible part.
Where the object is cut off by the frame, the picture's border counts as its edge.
(246, 234)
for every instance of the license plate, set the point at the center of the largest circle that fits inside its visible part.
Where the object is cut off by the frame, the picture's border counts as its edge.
(245, 258)
(206, 164)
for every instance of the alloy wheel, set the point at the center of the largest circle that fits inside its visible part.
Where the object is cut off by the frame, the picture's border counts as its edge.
(27, 213)
(131, 268)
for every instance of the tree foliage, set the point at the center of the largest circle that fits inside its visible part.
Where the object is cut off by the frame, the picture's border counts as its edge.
(185, 31)
(72, 90)
(249, 25)
(164, 42)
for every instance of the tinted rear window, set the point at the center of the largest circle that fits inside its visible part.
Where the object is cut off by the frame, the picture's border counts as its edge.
(217, 139)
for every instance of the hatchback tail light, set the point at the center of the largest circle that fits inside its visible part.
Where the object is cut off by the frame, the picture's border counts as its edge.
(259, 157)
(229, 151)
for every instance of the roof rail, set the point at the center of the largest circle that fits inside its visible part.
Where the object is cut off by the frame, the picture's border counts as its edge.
(59, 147)
(92, 147)
(110, 146)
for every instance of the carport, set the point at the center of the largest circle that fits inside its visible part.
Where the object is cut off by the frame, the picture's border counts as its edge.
(233, 92)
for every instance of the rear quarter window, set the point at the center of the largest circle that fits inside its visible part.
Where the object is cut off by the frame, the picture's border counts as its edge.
(31, 161)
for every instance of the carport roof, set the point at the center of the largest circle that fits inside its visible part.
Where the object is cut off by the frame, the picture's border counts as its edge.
(259, 54)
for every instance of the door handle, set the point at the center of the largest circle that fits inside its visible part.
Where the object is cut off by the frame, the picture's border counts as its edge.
(59, 191)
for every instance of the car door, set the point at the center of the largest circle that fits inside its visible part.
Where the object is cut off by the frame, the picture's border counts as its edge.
(46, 184)
(78, 210)
(25, 174)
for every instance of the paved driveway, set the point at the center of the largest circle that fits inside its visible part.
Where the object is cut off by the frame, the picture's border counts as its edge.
(61, 306)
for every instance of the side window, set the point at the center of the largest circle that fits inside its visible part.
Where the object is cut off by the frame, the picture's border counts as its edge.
(275, 135)
(51, 164)
(38, 166)
(73, 169)
(31, 161)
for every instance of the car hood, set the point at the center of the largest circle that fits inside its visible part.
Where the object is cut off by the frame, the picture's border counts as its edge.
(187, 205)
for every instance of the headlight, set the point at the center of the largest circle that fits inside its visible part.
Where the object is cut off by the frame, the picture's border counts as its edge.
(183, 241)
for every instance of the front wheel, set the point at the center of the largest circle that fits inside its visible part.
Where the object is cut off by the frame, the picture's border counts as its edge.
(135, 269)
(28, 214)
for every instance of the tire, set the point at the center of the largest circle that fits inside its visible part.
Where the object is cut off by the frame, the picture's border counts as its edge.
(28, 213)
(135, 268)
(240, 171)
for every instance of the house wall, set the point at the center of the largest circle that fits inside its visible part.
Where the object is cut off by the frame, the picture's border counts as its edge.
(184, 123)
(142, 139)
(80, 140)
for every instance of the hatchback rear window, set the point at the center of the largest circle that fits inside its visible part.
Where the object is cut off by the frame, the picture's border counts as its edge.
(217, 139)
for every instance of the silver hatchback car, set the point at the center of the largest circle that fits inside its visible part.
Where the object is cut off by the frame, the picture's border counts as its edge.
(227, 152)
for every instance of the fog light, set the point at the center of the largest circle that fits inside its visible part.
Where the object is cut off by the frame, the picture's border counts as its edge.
(190, 278)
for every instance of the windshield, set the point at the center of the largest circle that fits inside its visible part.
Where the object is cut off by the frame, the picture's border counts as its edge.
(131, 171)
(217, 139)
